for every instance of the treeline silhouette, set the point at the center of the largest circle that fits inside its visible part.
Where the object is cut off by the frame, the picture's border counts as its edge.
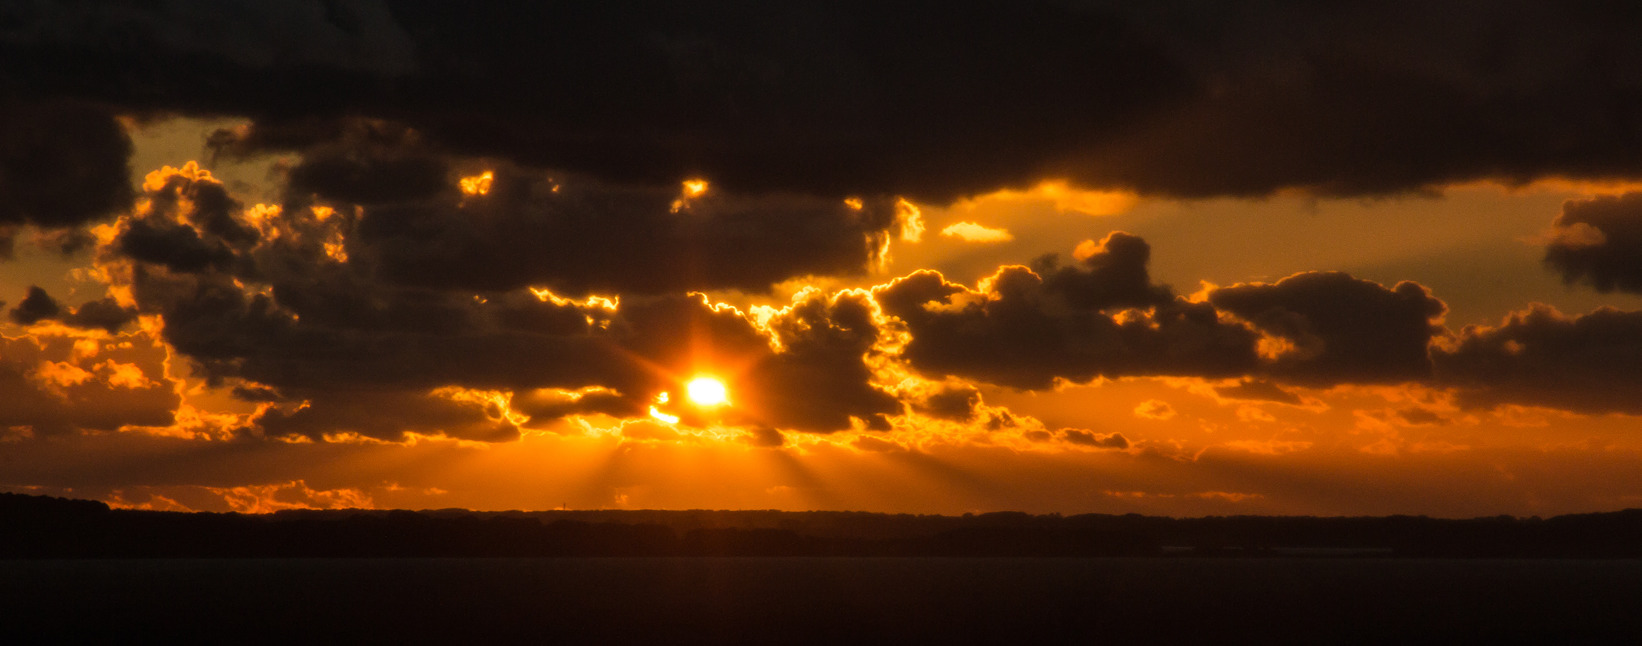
(45, 527)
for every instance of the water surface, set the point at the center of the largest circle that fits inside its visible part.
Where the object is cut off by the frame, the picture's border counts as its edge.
(817, 600)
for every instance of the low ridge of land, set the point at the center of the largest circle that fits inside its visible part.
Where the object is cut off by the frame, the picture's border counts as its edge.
(45, 527)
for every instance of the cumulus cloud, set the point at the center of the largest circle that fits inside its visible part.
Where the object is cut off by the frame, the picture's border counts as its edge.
(820, 379)
(290, 310)
(49, 385)
(1326, 328)
(1081, 437)
(1099, 317)
(1541, 357)
(37, 306)
(103, 313)
(972, 232)
(1598, 241)
(1258, 390)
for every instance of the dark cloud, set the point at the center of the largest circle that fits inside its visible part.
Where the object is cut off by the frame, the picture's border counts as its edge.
(1179, 97)
(62, 164)
(767, 438)
(550, 404)
(1421, 416)
(1258, 390)
(387, 414)
(1339, 329)
(365, 162)
(36, 307)
(580, 236)
(177, 247)
(1540, 357)
(572, 233)
(1091, 439)
(955, 403)
(820, 379)
(824, 98)
(1598, 241)
(256, 393)
(1024, 329)
(103, 313)
(1355, 99)
(1110, 273)
(295, 311)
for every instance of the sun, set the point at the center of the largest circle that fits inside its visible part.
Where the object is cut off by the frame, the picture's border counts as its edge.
(707, 391)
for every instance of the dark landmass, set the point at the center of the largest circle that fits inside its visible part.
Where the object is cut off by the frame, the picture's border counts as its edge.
(45, 527)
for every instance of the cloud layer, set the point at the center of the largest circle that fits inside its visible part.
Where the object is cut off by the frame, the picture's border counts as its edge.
(1178, 98)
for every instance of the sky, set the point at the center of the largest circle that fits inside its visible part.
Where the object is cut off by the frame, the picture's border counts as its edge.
(1182, 258)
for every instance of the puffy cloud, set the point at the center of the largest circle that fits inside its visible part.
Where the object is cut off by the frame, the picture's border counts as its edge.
(49, 385)
(820, 378)
(1541, 357)
(337, 348)
(1327, 328)
(103, 313)
(1155, 409)
(37, 306)
(1599, 241)
(955, 403)
(1258, 390)
(1091, 439)
(1100, 317)
(972, 232)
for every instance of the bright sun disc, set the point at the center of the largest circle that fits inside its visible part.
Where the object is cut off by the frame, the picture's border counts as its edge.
(706, 391)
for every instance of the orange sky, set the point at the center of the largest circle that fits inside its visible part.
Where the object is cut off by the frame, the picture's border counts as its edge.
(1044, 257)
(1185, 450)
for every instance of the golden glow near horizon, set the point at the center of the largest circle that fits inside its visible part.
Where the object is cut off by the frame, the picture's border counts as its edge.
(1188, 446)
(477, 184)
(707, 391)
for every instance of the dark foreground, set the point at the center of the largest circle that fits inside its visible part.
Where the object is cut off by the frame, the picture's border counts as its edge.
(819, 600)
(53, 528)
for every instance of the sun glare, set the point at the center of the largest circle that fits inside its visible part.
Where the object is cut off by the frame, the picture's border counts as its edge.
(707, 391)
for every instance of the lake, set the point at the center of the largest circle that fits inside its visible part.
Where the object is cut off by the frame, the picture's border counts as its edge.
(818, 600)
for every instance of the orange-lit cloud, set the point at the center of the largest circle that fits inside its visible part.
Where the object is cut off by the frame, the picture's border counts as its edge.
(1059, 194)
(481, 293)
(971, 232)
